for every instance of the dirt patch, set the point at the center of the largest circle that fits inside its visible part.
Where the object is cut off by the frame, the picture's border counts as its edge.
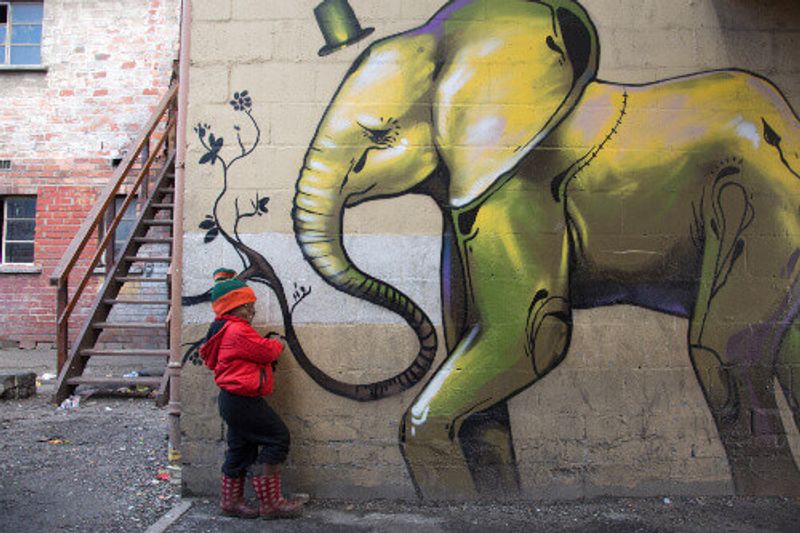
(93, 468)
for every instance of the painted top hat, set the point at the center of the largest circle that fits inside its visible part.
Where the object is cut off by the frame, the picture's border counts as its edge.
(339, 25)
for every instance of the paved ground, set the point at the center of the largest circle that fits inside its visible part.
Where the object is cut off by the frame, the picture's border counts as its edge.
(617, 515)
(39, 361)
(43, 362)
(100, 467)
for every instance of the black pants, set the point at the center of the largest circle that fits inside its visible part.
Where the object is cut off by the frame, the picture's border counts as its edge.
(252, 424)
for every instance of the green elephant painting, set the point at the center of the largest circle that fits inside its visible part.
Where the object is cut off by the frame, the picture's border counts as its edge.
(494, 109)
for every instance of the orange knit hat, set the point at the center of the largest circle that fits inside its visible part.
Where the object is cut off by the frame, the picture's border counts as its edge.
(228, 292)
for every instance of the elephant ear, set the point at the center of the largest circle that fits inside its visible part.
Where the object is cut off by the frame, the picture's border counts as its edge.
(511, 72)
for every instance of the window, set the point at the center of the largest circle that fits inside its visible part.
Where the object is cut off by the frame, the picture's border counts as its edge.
(125, 225)
(124, 230)
(19, 228)
(21, 33)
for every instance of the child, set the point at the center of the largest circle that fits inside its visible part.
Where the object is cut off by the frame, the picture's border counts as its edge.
(242, 363)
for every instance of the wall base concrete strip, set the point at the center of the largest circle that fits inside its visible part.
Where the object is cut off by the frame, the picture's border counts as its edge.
(17, 386)
(171, 517)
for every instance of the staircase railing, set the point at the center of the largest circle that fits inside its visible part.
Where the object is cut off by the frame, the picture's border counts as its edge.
(161, 125)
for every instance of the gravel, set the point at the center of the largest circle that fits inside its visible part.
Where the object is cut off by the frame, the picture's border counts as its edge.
(93, 468)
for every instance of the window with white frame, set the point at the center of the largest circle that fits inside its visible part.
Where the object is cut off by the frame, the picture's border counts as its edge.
(19, 228)
(21, 33)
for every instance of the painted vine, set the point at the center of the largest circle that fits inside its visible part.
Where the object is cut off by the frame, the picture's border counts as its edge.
(255, 267)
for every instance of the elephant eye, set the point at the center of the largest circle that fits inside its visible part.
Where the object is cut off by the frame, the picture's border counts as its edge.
(552, 45)
(385, 136)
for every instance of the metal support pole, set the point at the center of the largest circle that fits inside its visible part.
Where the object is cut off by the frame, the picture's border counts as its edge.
(111, 214)
(62, 324)
(145, 190)
(176, 318)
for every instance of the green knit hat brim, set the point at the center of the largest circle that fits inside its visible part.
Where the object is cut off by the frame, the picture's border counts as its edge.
(228, 295)
(221, 288)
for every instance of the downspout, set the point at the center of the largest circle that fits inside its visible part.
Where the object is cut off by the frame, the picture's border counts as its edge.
(176, 322)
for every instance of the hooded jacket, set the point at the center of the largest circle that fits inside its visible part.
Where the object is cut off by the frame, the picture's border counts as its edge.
(240, 358)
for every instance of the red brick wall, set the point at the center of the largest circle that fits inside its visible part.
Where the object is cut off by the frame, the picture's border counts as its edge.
(108, 63)
(27, 301)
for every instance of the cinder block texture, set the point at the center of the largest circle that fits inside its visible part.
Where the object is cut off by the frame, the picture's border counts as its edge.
(624, 413)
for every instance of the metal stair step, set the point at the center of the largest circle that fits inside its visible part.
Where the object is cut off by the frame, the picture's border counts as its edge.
(128, 301)
(153, 240)
(129, 325)
(140, 279)
(137, 259)
(115, 381)
(125, 353)
(163, 206)
(167, 189)
(157, 222)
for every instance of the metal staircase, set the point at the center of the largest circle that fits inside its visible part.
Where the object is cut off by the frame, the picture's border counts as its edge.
(146, 179)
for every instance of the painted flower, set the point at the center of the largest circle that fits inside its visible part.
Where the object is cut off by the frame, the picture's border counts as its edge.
(241, 101)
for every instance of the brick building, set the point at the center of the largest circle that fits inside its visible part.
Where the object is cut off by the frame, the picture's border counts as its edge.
(78, 80)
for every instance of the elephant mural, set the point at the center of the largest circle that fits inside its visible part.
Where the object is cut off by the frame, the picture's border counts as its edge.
(493, 108)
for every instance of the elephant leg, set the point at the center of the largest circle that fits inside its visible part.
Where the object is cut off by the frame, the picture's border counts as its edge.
(742, 401)
(485, 436)
(473, 379)
(488, 448)
(787, 368)
(743, 313)
(518, 328)
(450, 458)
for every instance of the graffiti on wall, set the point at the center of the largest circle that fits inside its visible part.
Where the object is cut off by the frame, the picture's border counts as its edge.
(256, 268)
(494, 109)
(559, 191)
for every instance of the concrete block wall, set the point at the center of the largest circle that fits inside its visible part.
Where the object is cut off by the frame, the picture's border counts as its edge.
(108, 62)
(623, 414)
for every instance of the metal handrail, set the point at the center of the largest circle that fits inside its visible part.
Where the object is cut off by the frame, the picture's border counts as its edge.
(95, 219)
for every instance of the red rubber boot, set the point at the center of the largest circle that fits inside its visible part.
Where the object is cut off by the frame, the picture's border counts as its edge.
(232, 499)
(272, 504)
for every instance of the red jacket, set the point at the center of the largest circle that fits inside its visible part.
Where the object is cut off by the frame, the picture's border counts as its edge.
(241, 358)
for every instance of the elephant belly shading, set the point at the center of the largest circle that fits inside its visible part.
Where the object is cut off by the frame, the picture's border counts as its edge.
(676, 299)
(661, 274)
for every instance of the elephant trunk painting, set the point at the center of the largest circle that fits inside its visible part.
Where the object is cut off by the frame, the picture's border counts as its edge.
(317, 218)
(543, 172)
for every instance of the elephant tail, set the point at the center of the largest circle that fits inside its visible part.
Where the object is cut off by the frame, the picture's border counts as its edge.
(781, 129)
(788, 151)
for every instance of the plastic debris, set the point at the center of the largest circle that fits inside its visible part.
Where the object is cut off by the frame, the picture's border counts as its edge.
(667, 501)
(55, 440)
(73, 402)
(162, 475)
(47, 376)
(129, 375)
(301, 496)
